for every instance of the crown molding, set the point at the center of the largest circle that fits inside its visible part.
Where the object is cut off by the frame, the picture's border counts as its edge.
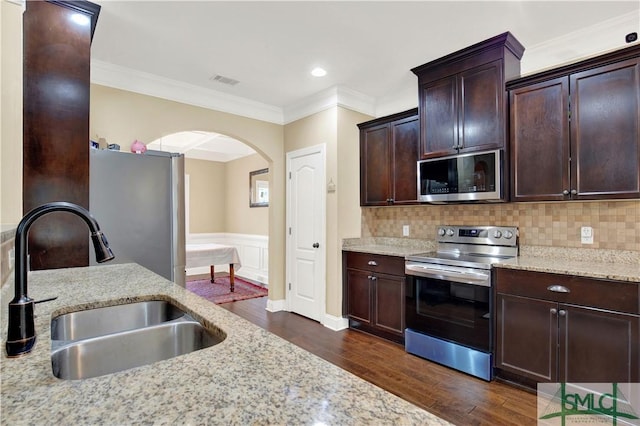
(331, 97)
(577, 45)
(118, 77)
(123, 78)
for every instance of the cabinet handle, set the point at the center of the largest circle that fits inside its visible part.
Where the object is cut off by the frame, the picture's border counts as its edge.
(565, 192)
(553, 311)
(574, 192)
(373, 278)
(369, 277)
(562, 312)
(558, 289)
(372, 263)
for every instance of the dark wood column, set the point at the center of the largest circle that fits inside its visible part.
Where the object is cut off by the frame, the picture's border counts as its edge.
(57, 49)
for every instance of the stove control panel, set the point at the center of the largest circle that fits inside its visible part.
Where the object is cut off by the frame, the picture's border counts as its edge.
(485, 235)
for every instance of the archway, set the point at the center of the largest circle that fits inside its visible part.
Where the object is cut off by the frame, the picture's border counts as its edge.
(217, 197)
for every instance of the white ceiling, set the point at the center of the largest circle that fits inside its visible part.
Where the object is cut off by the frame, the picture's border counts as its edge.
(172, 49)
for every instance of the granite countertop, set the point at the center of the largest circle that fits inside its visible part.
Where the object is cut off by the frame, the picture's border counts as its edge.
(593, 263)
(591, 269)
(252, 377)
(388, 246)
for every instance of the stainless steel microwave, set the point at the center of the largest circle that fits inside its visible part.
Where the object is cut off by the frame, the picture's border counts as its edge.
(476, 176)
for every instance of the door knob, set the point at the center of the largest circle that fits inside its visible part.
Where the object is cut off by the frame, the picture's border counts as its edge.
(316, 245)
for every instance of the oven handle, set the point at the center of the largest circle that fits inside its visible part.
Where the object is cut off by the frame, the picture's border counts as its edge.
(455, 275)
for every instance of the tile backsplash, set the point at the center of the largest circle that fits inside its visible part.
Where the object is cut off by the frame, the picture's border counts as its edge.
(616, 224)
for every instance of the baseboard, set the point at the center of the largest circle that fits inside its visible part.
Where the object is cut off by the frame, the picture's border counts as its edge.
(335, 323)
(276, 305)
(330, 321)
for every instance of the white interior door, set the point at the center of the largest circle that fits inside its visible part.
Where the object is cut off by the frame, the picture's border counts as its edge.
(306, 213)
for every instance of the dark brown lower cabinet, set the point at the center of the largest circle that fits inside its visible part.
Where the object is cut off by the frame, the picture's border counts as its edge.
(553, 340)
(374, 294)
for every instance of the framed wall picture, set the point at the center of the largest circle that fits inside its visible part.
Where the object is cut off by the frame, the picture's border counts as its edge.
(259, 188)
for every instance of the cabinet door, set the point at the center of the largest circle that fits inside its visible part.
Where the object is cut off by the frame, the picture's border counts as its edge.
(359, 288)
(605, 131)
(481, 108)
(526, 337)
(389, 303)
(405, 140)
(439, 117)
(374, 166)
(598, 346)
(540, 141)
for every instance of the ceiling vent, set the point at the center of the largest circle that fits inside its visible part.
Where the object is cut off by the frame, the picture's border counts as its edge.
(224, 80)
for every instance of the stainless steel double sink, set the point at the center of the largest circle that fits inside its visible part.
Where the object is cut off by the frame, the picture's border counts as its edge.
(100, 341)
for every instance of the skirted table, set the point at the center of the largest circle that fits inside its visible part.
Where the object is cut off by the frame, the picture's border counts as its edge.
(199, 255)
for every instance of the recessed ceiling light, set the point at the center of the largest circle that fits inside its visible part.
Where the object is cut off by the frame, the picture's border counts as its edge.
(318, 72)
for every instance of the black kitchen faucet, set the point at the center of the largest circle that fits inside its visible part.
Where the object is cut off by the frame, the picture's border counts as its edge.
(21, 335)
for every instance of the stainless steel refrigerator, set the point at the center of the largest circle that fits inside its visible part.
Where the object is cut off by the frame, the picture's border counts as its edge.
(138, 200)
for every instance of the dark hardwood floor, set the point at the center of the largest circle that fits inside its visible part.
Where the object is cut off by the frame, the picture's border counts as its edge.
(453, 396)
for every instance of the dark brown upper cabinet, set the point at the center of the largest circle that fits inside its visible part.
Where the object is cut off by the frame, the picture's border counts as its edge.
(388, 159)
(462, 98)
(57, 57)
(575, 130)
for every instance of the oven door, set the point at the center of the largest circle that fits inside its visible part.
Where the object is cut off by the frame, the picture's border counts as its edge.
(450, 303)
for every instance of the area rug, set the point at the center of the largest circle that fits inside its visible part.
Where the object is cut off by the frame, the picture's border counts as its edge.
(218, 292)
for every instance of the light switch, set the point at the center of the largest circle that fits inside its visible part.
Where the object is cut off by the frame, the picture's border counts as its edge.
(405, 230)
(586, 235)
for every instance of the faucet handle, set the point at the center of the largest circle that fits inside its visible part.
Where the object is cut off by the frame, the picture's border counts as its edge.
(45, 300)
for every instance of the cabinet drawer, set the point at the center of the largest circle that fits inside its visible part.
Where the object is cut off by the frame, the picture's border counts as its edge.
(393, 265)
(603, 294)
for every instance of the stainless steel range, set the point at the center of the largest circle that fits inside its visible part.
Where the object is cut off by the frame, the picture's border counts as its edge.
(449, 301)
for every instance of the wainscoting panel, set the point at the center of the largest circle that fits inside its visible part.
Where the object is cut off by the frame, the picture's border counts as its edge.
(252, 249)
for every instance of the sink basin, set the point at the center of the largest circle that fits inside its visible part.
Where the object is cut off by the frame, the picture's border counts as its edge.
(101, 341)
(112, 319)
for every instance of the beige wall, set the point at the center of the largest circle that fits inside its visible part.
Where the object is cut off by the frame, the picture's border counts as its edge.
(348, 211)
(219, 197)
(240, 218)
(121, 116)
(207, 196)
(336, 128)
(10, 114)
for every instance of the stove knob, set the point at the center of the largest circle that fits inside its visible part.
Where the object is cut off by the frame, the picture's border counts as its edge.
(441, 232)
(497, 234)
(508, 234)
(450, 232)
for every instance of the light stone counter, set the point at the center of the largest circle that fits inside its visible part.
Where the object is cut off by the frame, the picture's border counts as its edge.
(252, 377)
(594, 263)
(388, 246)
(583, 268)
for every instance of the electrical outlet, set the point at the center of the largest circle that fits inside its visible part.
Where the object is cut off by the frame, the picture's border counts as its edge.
(586, 235)
(405, 230)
